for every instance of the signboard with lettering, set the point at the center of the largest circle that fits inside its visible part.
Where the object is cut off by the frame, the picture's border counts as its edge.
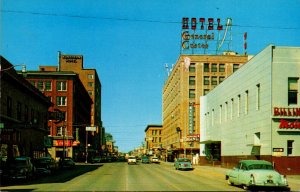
(204, 34)
(61, 143)
(289, 118)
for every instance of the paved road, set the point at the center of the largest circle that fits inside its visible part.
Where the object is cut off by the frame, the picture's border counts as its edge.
(123, 177)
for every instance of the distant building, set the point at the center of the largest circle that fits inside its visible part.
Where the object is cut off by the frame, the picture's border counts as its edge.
(72, 104)
(153, 140)
(91, 82)
(255, 113)
(23, 115)
(191, 77)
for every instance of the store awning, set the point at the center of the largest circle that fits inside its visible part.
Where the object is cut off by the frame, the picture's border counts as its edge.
(209, 141)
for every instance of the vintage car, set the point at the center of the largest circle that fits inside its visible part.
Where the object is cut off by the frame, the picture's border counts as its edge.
(154, 160)
(19, 168)
(67, 163)
(45, 165)
(145, 159)
(131, 160)
(250, 173)
(183, 164)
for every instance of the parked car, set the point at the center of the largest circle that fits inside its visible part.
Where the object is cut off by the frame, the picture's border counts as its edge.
(19, 168)
(66, 162)
(131, 160)
(155, 160)
(183, 164)
(249, 173)
(45, 165)
(145, 159)
(96, 159)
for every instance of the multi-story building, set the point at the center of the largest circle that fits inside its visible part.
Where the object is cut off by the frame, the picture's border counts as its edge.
(153, 140)
(191, 77)
(255, 113)
(23, 115)
(73, 105)
(91, 82)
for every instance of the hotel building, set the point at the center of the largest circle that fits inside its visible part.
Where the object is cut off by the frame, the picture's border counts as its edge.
(255, 113)
(181, 93)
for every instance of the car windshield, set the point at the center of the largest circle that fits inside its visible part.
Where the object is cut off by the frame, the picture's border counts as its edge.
(131, 157)
(260, 166)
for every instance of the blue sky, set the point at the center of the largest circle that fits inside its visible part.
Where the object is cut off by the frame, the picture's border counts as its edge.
(130, 41)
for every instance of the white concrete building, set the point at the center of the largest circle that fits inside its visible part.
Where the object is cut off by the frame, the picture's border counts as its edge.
(255, 113)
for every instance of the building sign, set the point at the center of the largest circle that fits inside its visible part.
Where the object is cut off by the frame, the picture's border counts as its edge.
(203, 34)
(71, 58)
(193, 137)
(61, 143)
(286, 112)
(191, 119)
(90, 128)
(285, 124)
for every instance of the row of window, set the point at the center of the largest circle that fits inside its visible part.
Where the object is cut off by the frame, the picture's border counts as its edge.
(47, 85)
(155, 132)
(213, 67)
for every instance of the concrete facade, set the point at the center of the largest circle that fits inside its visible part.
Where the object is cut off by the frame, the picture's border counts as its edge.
(242, 117)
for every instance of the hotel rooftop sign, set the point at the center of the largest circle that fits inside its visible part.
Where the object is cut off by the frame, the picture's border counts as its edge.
(203, 35)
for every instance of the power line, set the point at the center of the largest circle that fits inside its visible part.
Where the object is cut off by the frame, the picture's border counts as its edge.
(136, 20)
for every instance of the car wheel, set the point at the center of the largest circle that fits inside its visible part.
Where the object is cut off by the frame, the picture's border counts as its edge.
(229, 182)
(245, 187)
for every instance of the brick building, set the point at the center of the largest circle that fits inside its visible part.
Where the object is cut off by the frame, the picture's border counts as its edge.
(153, 140)
(72, 102)
(191, 77)
(23, 117)
(91, 82)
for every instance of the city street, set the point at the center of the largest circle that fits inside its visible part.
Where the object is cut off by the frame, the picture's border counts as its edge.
(122, 177)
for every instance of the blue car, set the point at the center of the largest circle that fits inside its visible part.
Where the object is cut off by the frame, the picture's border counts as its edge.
(183, 164)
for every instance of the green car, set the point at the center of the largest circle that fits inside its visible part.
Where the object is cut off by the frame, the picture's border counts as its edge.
(260, 173)
(183, 164)
(145, 159)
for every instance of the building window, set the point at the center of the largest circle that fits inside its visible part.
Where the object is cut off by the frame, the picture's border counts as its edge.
(26, 113)
(221, 79)
(257, 138)
(206, 67)
(205, 92)
(19, 111)
(206, 80)
(40, 85)
(32, 83)
(238, 105)
(246, 102)
(90, 76)
(226, 110)
(220, 113)
(293, 91)
(214, 67)
(192, 67)
(232, 108)
(61, 101)
(290, 147)
(90, 92)
(90, 84)
(48, 86)
(213, 117)
(214, 80)
(222, 68)
(9, 106)
(257, 96)
(192, 80)
(235, 67)
(61, 85)
(192, 93)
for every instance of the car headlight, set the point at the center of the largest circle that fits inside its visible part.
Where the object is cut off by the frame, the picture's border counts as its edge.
(283, 179)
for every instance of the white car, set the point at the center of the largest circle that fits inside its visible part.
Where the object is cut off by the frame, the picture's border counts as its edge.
(131, 160)
(154, 160)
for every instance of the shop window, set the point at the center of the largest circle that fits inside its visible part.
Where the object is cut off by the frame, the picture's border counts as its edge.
(192, 80)
(206, 67)
(206, 80)
(222, 68)
(290, 147)
(293, 91)
(214, 67)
